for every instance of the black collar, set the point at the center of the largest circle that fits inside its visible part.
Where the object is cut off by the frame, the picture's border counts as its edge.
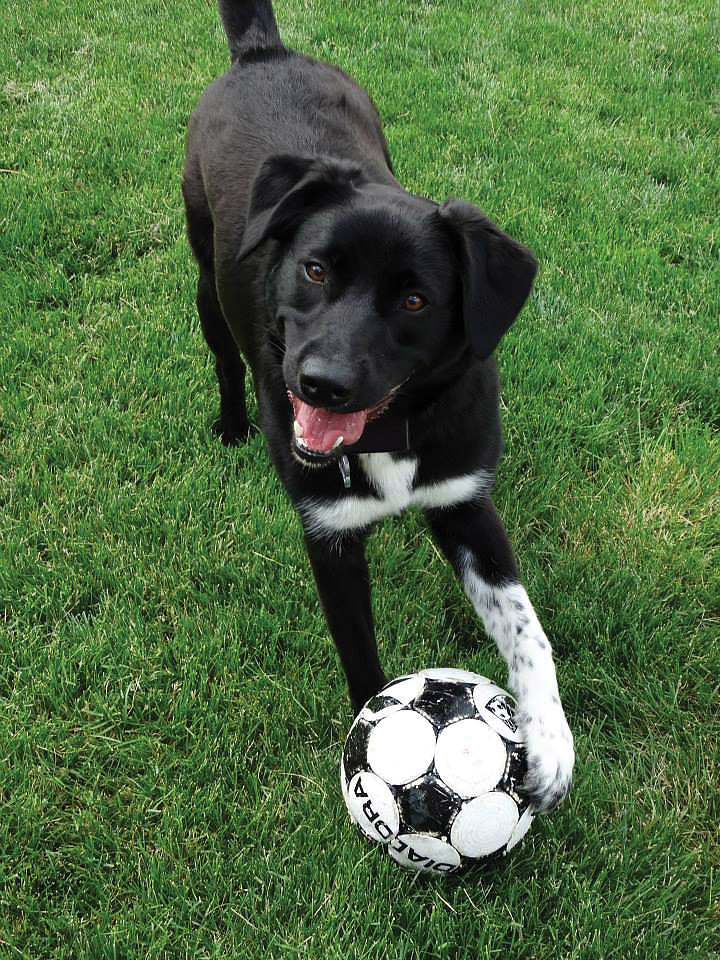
(385, 435)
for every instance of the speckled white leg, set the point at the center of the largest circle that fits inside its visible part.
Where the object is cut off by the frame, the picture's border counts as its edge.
(509, 618)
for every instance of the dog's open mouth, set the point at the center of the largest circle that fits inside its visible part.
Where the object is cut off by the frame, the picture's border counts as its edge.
(319, 434)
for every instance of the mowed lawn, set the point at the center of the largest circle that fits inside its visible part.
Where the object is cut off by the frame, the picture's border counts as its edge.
(171, 708)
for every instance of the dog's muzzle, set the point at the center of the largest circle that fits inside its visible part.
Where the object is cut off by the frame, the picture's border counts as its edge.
(319, 434)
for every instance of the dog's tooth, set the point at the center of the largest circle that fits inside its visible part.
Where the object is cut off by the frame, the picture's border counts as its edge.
(338, 443)
(298, 430)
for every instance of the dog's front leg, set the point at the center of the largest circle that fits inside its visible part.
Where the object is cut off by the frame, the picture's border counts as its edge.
(472, 537)
(343, 584)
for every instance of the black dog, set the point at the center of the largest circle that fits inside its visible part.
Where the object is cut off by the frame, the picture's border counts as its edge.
(369, 318)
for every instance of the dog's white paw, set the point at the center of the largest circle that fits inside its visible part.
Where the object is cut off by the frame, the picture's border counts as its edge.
(550, 753)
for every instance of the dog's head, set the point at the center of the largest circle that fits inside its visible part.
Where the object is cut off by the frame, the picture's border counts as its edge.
(374, 289)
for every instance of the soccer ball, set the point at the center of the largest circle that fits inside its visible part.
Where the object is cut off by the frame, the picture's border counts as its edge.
(431, 768)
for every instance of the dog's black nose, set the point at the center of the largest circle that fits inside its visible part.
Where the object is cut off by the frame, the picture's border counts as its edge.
(325, 384)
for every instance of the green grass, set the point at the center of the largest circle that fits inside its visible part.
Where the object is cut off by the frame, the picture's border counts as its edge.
(171, 709)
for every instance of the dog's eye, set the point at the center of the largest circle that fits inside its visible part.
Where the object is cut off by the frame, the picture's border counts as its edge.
(413, 303)
(315, 271)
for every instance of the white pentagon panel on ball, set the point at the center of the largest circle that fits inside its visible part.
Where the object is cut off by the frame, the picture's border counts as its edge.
(484, 825)
(453, 674)
(522, 827)
(470, 757)
(372, 806)
(399, 693)
(497, 708)
(401, 747)
(372, 715)
(424, 853)
(484, 692)
(404, 689)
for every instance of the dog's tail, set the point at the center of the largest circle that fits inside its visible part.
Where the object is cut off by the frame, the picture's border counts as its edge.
(250, 26)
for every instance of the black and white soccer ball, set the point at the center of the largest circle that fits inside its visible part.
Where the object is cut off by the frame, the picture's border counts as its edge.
(432, 768)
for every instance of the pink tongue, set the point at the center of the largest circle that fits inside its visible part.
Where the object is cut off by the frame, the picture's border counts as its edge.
(321, 428)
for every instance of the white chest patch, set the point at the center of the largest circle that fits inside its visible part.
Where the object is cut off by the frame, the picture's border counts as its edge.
(394, 484)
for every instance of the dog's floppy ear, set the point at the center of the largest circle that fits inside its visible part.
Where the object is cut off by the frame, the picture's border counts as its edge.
(497, 274)
(287, 187)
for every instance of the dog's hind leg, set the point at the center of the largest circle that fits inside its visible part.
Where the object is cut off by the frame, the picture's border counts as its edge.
(232, 426)
(473, 538)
